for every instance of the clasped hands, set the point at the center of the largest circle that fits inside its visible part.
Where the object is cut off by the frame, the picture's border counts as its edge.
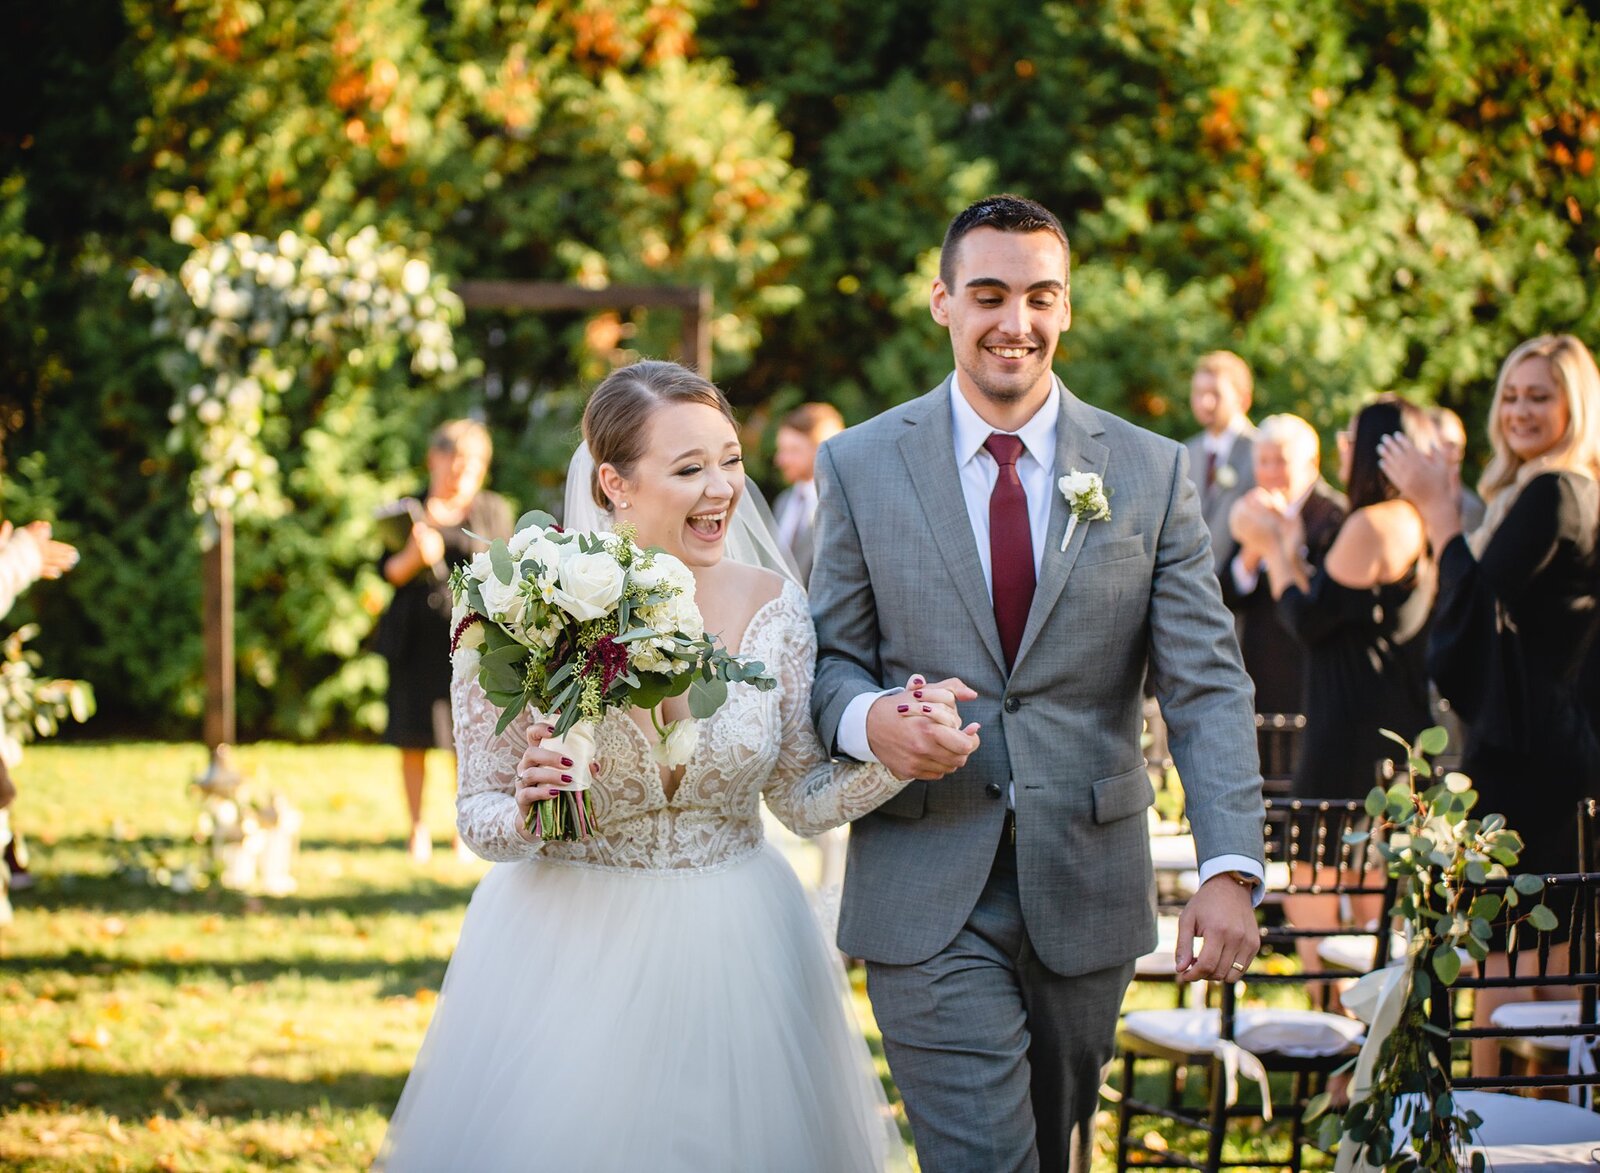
(918, 733)
(1260, 521)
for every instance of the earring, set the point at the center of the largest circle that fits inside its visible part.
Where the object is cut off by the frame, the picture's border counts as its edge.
(622, 505)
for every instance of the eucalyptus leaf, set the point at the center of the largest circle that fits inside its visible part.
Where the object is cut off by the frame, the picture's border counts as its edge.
(1527, 883)
(1542, 918)
(500, 561)
(706, 697)
(536, 517)
(1447, 964)
(1432, 740)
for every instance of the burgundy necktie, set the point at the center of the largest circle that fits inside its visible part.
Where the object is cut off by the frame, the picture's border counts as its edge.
(1010, 546)
(1211, 470)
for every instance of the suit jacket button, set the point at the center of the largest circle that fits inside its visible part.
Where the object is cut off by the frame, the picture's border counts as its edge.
(1012, 704)
(992, 790)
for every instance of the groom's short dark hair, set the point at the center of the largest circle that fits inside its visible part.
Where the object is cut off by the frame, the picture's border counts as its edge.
(1006, 213)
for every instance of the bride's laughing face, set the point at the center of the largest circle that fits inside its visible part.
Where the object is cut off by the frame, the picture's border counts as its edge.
(688, 481)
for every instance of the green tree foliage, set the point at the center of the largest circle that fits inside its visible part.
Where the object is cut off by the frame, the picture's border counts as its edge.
(585, 141)
(1357, 195)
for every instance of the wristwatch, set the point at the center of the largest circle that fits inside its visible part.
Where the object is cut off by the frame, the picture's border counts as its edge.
(1243, 879)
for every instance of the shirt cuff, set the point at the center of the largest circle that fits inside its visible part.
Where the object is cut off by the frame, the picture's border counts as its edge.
(1244, 581)
(851, 739)
(1218, 864)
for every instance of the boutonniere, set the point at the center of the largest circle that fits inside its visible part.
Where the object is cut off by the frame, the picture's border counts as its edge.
(1225, 477)
(1086, 497)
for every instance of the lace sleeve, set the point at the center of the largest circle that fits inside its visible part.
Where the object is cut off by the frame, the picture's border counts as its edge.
(486, 809)
(807, 792)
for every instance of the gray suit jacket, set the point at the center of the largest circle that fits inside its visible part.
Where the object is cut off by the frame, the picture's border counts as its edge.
(802, 548)
(1217, 502)
(898, 588)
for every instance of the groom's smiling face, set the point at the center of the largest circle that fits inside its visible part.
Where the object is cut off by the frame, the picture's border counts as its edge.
(1005, 308)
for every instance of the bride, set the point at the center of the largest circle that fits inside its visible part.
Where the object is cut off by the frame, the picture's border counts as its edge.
(658, 997)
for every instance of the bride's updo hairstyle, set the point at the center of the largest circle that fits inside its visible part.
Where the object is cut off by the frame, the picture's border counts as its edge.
(615, 421)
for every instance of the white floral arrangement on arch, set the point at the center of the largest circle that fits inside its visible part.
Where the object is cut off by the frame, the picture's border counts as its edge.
(252, 314)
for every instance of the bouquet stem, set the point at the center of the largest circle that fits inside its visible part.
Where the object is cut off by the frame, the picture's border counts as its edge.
(566, 818)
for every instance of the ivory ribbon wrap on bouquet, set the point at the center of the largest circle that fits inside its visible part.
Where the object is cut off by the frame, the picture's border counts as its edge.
(576, 744)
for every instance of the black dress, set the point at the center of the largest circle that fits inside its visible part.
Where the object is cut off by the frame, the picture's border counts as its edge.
(1364, 673)
(414, 634)
(1273, 658)
(1512, 632)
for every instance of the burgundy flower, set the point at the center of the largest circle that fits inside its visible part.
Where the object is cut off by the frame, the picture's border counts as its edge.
(455, 636)
(610, 657)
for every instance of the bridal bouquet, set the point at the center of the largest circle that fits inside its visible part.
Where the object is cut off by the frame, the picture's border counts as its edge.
(574, 624)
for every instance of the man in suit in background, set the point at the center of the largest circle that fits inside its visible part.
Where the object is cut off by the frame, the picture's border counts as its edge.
(799, 436)
(1001, 899)
(1453, 439)
(1288, 482)
(1220, 455)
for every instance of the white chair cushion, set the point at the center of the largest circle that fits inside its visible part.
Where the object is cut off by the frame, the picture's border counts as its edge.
(1159, 961)
(1172, 853)
(1519, 1120)
(1523, 1015)
(1355, 950)
(1302, 1034)
(1540, 1158)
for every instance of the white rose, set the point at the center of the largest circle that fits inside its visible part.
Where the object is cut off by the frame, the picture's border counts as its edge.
(481, 567)
(648, 578)
(471, 639)
(503, 600)
(677, 747)
(1076, 484)
(522, 539)
(589, 585)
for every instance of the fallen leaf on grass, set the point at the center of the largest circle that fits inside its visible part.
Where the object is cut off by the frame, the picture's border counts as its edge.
(97, 1039)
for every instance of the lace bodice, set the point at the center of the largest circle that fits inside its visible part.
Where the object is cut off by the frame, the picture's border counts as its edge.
(758, 743)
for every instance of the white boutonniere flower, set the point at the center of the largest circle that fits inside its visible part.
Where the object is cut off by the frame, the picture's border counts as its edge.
(1225, 477)
(1086, 497)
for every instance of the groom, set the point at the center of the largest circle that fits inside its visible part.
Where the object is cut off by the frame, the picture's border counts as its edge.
(1001, 899)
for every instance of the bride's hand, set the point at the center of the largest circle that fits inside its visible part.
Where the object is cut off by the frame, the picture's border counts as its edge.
(542, 773)
(937, 702)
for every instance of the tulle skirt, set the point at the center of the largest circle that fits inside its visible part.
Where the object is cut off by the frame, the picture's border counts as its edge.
(598, 1020)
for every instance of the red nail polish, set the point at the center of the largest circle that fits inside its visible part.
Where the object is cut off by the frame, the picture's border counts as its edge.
(926, 709)
(918, 694)
(903, 709)
(566, 778)
(566, 761)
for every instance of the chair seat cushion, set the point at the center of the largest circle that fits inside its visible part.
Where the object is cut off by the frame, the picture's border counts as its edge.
(1519, 1120)
(1527, 1015)
(1354, 951)
(1299, 1034)
(1539, 1158)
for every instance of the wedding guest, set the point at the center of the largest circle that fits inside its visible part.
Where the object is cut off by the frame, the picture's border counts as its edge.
(799, 436)
(1288, 486)
(1453, 443)
(26, 556)
(1518, 608)
(414, 633)
(1361, 616)
(1220, 455)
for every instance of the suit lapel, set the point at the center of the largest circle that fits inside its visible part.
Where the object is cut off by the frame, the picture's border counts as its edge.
(1076, 448)
(928, 448)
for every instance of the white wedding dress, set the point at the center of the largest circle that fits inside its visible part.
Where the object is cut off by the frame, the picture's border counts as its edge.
(658, 998)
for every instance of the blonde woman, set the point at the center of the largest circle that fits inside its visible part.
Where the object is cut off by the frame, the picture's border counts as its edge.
(1517, 607)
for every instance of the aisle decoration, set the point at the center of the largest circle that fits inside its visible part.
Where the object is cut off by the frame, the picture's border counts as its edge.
(1402, 1116)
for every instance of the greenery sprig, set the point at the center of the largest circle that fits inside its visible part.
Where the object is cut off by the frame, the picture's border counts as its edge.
(1410, 1121)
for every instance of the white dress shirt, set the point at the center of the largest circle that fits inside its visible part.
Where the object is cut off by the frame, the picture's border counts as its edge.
(1221, 447)
(979, 471)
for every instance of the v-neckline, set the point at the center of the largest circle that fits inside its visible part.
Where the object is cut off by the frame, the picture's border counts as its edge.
(663, 779)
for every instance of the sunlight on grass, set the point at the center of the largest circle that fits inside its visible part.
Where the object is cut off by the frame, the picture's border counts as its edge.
(140, 1029)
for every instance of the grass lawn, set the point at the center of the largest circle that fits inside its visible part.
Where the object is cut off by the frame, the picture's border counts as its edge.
(143, 1030)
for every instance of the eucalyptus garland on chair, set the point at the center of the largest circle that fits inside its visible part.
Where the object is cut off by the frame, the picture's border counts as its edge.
(1408, 1120)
